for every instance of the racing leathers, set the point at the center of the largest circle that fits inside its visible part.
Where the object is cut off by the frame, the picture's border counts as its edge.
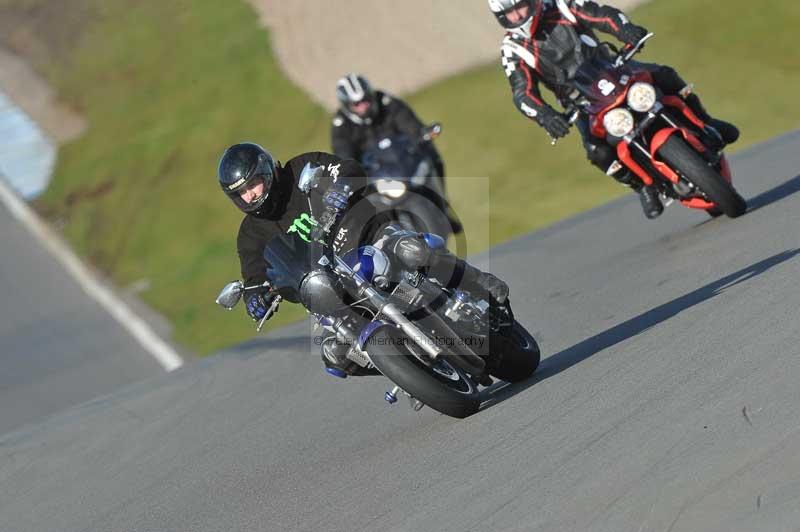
(561, 37)
(291, 210)
(353, 135)
(287, 210)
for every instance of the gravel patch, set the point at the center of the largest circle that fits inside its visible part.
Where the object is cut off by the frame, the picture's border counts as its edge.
(400, 46)
(33, 95)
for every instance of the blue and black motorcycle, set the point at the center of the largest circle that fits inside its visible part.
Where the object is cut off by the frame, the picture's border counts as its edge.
(436, 344)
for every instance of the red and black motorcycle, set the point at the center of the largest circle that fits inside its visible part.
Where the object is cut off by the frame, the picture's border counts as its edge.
(657, 136)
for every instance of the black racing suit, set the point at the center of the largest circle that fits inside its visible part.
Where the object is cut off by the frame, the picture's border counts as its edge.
(287, 204)
(359, 224)
(559, 43)
(351, 135)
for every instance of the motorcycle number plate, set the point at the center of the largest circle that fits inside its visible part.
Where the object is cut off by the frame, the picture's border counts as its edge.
(606, 87)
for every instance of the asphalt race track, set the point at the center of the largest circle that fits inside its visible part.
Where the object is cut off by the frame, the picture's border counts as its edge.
(668, 401)
(58, 347)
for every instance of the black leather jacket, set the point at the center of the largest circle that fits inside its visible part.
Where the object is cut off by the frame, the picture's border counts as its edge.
(561, 38)
(351, 136)
(289, 206)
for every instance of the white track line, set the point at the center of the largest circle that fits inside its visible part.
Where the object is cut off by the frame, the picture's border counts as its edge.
(141, 331)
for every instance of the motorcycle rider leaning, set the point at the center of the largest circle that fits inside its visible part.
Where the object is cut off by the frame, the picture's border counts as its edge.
(268, 194)
(547, 40)
(366, 115)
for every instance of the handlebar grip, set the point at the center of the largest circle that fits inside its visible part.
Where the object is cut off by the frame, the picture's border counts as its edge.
(257, 288)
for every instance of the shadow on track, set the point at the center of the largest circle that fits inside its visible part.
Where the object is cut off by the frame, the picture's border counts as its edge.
(261, 346)
(567, 358)
(782, 191)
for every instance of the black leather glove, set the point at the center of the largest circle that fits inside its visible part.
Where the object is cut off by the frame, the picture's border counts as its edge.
(258, 305)
(336, 200)
(631, 34)
(556, 125)
(336, 197)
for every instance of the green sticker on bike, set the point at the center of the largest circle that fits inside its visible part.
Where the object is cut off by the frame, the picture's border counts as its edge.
(303, 226)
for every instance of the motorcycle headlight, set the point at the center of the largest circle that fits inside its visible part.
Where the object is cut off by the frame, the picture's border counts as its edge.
(618, 122)
(641, 97)
(391, 188)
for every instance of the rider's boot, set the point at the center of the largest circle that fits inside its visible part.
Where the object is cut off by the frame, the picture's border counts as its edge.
(415, 253)
(651, 203)
(455, 272)
(648, 196)
(334, 356)
(725, 130)
(496, 288)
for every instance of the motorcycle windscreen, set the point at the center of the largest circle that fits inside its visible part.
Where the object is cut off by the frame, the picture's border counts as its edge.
(398, 158)
(389, 172)
(290, 257)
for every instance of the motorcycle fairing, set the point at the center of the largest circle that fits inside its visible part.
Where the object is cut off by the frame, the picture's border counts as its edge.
(368, 261)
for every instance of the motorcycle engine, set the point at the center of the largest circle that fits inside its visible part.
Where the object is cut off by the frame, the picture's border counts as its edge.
(464, 310)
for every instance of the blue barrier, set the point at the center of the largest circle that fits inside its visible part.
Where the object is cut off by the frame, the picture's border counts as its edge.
(27, 155)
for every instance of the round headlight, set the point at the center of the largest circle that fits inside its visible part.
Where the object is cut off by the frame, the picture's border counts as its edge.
(618, 122)
(391, 188)
(641, 97)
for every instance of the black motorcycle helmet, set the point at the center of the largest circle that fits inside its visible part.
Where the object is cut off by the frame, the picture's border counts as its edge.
(242, 166)
(353, 89)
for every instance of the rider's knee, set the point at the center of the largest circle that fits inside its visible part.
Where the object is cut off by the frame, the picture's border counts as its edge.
(668, 79)
(600, 155)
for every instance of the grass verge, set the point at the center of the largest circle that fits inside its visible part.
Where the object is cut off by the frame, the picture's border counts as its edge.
(166, 86)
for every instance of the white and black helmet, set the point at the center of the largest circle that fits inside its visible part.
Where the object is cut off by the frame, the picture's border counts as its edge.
(353, 89)
(501, 8)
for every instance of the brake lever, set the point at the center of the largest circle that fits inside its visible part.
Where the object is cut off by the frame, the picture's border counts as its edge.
(434, 131)
(633, 50)
(270, 311)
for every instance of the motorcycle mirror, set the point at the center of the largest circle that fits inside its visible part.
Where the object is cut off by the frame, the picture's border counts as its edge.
(309, 177)
(432, 131)
(230, 295)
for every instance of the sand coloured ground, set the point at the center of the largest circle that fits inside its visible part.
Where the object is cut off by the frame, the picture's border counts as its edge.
(399, 45)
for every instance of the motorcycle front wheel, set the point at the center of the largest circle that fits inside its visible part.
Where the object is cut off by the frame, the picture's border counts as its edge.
(442, 386)
(518, 355)
(677, 153)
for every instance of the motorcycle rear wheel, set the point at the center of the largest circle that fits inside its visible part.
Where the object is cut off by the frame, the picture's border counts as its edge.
(443, 387)
(677, 153)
